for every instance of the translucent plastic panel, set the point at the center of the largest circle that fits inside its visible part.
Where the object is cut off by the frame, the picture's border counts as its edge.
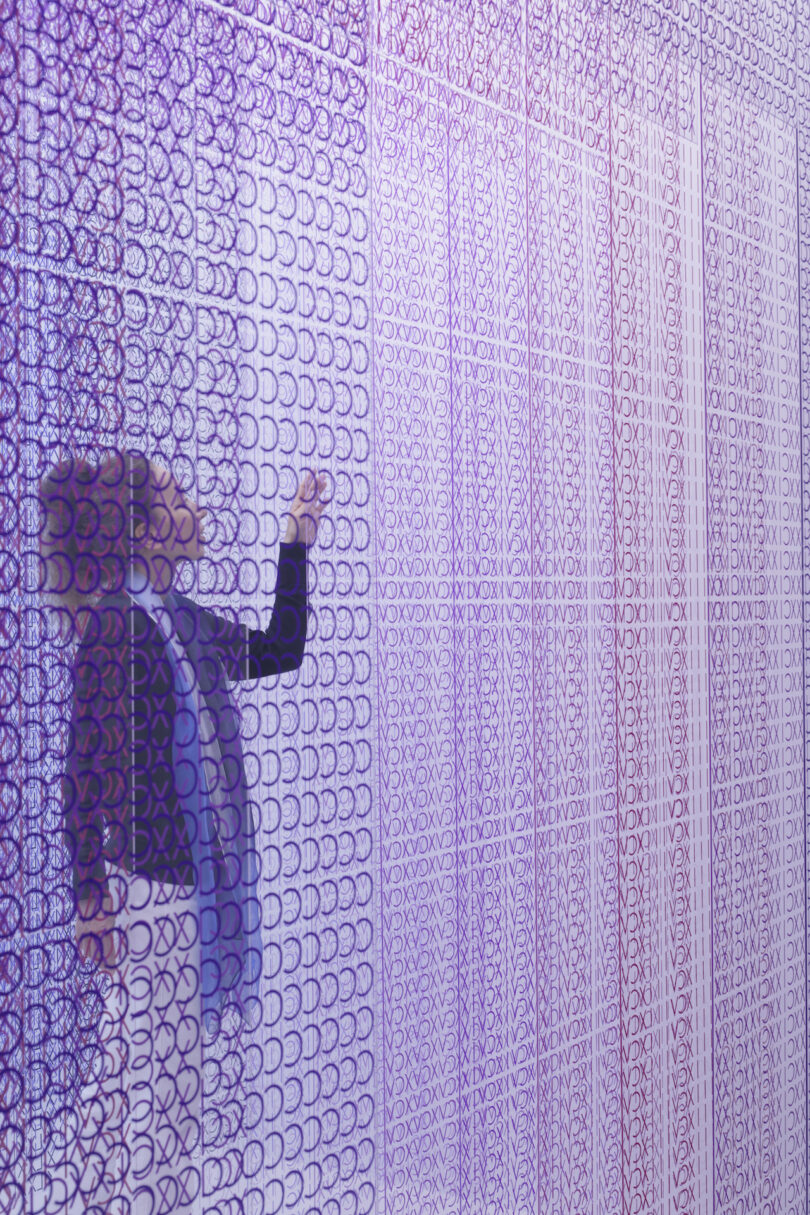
(430, 839)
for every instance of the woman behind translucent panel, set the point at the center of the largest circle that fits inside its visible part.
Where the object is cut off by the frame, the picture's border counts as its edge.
(157, 821)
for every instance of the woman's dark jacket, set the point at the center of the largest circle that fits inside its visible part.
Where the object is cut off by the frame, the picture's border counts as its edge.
(119, 789)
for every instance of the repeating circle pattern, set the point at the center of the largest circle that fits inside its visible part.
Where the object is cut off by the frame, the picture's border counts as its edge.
(531, 284)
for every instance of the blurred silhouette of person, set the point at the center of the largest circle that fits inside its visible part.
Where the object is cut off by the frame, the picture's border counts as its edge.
(158, 821)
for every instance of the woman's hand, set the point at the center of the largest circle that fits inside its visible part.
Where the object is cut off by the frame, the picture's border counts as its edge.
(95, 931)
(306, 509)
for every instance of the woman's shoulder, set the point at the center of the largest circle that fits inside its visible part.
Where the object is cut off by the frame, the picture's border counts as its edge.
(115, 620)
(102, 621)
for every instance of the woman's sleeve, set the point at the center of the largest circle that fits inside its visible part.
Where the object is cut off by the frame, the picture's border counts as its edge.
(95, 779)
(256, 653)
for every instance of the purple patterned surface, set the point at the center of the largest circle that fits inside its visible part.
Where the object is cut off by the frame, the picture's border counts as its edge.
(531, 282)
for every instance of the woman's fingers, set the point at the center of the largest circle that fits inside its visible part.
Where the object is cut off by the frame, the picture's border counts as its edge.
(311, 486)
(307, 507)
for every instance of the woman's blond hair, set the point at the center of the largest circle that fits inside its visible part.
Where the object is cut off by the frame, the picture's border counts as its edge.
(91, 514)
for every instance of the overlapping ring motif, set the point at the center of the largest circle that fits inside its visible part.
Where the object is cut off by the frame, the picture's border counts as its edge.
(217, 277)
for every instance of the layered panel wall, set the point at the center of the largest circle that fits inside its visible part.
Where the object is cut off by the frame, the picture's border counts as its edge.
(531, 283)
